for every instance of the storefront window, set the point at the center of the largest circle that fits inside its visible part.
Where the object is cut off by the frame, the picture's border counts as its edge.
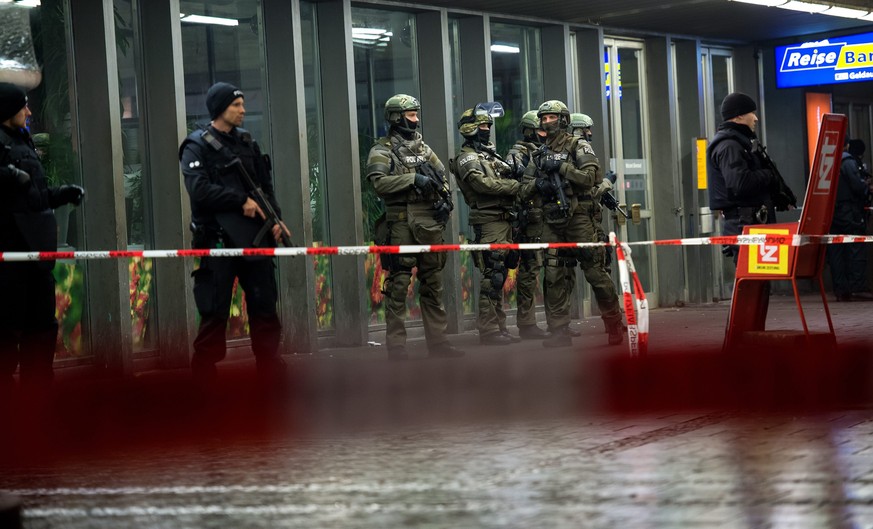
(228, 47)
(317, 178)
(466, 231)
(135, 176)
(517, 68)
(385, 53)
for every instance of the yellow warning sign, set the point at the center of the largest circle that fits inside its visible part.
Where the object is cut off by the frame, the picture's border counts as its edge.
(770, 259)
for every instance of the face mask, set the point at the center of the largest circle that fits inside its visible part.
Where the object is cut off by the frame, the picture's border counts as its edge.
(411, 125)
(551, 128)
(483, 136)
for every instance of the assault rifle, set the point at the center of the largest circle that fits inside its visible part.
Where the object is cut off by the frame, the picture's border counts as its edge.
(443, 205)
(557, 184)
(272, 218)
(608, 200)
(780, 193)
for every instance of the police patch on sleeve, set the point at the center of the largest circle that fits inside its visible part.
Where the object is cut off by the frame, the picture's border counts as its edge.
(586, 148)
(467, 158)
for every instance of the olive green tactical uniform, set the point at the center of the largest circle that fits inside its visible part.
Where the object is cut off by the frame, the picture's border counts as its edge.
(530, 212)
(490, 192)
(580, 171)
(391, 167)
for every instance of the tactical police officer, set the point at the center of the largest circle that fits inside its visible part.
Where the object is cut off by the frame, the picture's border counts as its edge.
(567, 174)
(225, 215)
(739, 182)
(490, 190)
(530, 230)
(411, 180)
(580, 125)
(28, 328)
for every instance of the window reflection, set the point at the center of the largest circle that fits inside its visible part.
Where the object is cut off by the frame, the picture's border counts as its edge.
(516, 63)
(230, 53)
(318, 186)
(136, 195)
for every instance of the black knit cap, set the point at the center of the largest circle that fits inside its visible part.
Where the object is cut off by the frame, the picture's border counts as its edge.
(736, 104)
(12, 99)
(219, 97)
(856, 148)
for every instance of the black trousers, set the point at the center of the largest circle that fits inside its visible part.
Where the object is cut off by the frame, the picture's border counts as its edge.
(28, 328)
(848, 262)
(213, 288)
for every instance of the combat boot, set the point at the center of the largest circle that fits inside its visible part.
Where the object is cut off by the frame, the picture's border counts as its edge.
(495, 338)
(532, 332)
(444, 350)
(397, 352)
(560, 338)
(512, 337)
(616, 333)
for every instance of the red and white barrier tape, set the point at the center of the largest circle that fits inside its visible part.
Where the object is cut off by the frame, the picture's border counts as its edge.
(768, 239)
(636, 307)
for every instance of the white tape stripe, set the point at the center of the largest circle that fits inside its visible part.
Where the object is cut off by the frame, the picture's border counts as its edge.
(743, 240)
(266, 510)
(245, 489)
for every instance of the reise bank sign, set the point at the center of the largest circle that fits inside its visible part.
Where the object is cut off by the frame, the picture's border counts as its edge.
(844, 59)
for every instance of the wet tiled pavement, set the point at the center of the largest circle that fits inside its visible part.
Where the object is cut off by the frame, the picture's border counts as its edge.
(512, 437)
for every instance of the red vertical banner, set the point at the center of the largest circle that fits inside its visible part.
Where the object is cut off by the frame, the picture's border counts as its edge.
(817, 105)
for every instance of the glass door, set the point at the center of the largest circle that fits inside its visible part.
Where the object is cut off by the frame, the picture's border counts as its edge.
(718, 82)
(629, 145)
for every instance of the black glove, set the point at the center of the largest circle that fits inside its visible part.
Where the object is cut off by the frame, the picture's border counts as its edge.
(544, 187)
(422, 184)
(550, 164)
(22, 178)
(68, 194)
(442, 213)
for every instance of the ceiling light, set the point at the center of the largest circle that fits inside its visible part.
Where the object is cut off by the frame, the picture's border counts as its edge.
(504, 48)
(27, 3)
(806, 7)
(768, 3)
(845, 12)
(867, 17)
(215, 21)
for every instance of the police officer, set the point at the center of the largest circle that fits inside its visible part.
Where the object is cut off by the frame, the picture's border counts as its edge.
(567, 163)
(848, 262)
(580, 125)
(490, 190)
(28, 328)
(411, 180)
(224, 215)
(740, 185)
(530, 226)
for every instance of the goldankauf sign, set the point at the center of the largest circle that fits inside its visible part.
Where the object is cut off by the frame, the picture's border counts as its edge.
(844, 59)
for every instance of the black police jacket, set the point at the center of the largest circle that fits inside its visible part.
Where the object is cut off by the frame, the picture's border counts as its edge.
(217, 190)
(736, 177)
(27, 222)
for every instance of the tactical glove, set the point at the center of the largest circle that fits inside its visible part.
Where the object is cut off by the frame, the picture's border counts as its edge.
(442, 213)
(550, 164)
(544, 187)
(422, 184)
(604, 187)
(67, 194)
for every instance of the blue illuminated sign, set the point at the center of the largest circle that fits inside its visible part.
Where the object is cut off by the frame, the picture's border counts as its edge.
(845, 59)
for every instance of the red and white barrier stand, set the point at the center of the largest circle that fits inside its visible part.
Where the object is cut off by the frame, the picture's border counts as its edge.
(636, 306)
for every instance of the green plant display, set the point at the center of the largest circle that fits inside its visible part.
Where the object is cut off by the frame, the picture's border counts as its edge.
(238, 321)
(323, 292)
(69, 302)
(141, 275)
